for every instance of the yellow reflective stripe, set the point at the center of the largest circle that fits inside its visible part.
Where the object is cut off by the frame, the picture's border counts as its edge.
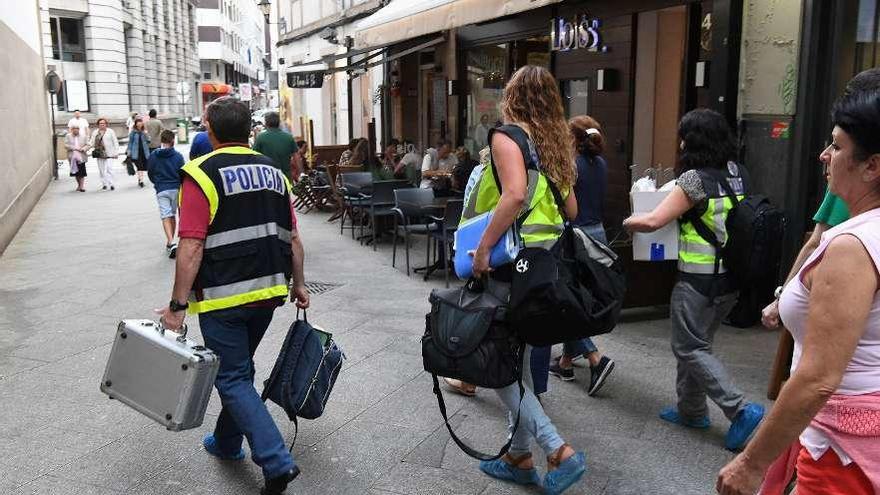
(196, 307)
(206, 185)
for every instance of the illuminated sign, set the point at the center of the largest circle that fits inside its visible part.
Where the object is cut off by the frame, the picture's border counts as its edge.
(578, 33)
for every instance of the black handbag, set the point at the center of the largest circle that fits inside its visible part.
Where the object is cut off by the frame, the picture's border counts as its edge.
(129, 166)
(467, 337)
(98, 151)
(568, 292)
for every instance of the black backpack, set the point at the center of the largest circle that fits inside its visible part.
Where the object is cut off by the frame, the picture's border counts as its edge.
(755, 231)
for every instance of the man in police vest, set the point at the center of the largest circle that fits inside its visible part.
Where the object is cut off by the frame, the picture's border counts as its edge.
(239, 253)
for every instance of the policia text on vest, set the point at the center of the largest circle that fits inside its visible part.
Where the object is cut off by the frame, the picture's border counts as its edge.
(247, 255)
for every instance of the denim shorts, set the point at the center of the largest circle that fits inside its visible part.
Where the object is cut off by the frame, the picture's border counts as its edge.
(167, 203)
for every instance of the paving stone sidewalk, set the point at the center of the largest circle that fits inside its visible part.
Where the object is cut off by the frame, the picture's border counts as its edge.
(84, 261)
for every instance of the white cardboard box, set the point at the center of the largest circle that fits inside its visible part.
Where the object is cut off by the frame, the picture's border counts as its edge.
(660, 245)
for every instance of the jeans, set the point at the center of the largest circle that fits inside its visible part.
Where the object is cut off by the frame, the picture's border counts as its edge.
(234, 334)
(540, 368)
(700, 374)
(533, 421)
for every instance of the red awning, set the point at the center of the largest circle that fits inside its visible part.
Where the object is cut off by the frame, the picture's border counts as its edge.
(216, 88)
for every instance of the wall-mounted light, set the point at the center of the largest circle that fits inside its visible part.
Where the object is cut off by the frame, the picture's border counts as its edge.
(266, 7)
(607, 79)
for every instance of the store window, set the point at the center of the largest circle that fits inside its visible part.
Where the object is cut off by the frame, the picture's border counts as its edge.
(576, 97)
(487, 71)
(867, 35)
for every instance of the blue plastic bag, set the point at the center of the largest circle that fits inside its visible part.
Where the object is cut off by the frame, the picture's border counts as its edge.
(467, 238)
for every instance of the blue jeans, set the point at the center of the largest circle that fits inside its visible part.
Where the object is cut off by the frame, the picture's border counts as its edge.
(533, 421)
(234, 334)
(540, 368)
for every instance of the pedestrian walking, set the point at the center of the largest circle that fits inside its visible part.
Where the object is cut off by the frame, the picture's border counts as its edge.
(239, 252)
(701, 299)
(77, 146)
(592, 182)
(80, 122)
(826, 421)
(276, 144)
(163, 169)
(154, 130)
(105, 150)
(831, 213)
(201, 145)
(138, 149)
(531, 106)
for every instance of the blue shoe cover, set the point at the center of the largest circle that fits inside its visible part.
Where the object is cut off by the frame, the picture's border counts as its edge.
(211, 447)
(567, 474)
(743, 426)
(501, 470)
(671, 414)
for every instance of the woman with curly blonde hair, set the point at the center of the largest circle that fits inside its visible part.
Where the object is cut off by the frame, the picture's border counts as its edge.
(532, 153)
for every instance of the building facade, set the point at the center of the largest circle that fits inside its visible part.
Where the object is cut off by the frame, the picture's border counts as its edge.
(232, 49)
(28, 142)
(122, 56)
(319, 87)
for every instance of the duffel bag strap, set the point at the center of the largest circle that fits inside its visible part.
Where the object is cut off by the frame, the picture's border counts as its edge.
(465, 447)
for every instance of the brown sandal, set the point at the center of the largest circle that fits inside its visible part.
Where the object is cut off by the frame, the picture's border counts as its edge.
(553, 461)
(516, 461)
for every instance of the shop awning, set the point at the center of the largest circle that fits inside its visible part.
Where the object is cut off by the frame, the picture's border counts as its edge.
(405, 19)
(216, 88)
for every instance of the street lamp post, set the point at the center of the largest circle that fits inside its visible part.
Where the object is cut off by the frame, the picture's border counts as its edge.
(53, 85)
(266, 7)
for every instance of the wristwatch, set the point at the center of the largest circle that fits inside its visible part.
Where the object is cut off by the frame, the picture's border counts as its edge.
(778, 292)
(176, 306)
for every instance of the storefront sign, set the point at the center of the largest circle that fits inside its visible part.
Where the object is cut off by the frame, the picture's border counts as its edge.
(578, 33)
(305, 79)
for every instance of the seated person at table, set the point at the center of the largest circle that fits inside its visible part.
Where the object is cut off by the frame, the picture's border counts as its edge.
(463, 169)
(409, 166)
(437, 165)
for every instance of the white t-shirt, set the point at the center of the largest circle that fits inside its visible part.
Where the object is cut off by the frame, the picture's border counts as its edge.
(433, 162)
(82, 123)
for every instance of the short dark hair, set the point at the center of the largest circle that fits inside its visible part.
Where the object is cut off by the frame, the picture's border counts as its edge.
(443, 142)
(858, 114)
(152, 113)
(393, 142)
(301, 143)
(98, 122)
(867, 80)
(272, 119)
(708, 141)
(167, 137)
(230, 120)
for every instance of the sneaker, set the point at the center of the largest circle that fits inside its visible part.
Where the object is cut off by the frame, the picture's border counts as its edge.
(501, 470)
(172, 253)
(671, 414)
(598, 374)
(112, 188)
(564, 374)
(103, 188)
(140, 184)
(210, 445)
(278, 484)
(566, 474)
(744, 426)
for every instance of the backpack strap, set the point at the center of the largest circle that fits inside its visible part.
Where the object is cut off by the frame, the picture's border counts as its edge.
(521, 138)
(465, 447)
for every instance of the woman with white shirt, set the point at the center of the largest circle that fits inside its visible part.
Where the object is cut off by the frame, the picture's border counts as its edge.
(77, 145)
(105, 150)
(826, 421)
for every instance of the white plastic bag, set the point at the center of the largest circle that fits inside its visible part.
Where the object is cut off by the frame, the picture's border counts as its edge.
(645, 184)
(668, 186)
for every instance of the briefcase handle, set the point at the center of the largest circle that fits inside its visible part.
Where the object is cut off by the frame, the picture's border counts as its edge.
(160, 326)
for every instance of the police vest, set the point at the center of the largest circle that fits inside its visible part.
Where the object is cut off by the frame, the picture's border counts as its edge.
(695, 254)
(247, 256)
(544, 223)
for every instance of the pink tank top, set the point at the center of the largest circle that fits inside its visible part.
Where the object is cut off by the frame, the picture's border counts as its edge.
(862, 375)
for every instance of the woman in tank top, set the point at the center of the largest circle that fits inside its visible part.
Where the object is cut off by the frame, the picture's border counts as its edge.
(826, 422)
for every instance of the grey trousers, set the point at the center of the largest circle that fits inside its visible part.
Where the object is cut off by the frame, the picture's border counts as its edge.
(700, 373)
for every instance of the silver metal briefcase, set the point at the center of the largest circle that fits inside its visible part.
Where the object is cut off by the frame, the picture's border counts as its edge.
(166, 377)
